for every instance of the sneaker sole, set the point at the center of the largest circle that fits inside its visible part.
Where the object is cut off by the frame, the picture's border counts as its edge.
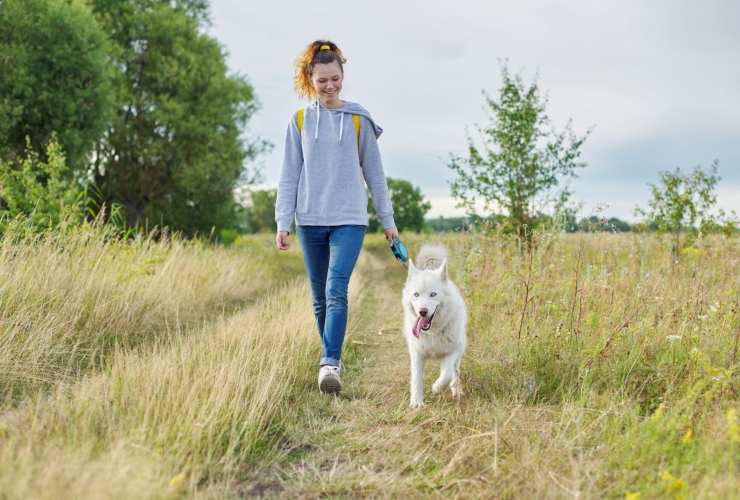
(330, 385)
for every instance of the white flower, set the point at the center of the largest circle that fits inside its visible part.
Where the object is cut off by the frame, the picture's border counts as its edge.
(673, 338)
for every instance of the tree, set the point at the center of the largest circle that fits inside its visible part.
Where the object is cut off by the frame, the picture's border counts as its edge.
(683, 203)
(448, 224)
(260, 215)
(521, 161)
(174, 151)
(594, 223)
(55, 79)
(409, 207)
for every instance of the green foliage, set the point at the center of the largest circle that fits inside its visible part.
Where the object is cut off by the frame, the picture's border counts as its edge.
(444, 224)
(41, 194)
(55, 78)
(174, 152)
(260, 215)
(408, 205)
(522, 159)
(594, 224)
(684, 203)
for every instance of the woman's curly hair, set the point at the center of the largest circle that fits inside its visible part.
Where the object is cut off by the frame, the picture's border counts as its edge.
(311, 56)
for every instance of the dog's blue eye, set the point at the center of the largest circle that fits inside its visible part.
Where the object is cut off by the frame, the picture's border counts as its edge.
(433, 294)
(416, 294)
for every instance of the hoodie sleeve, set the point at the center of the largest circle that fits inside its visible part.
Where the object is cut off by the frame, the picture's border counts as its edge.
(372, 170)
(285, 204)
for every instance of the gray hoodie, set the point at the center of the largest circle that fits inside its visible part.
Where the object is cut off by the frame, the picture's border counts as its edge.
(321, 183)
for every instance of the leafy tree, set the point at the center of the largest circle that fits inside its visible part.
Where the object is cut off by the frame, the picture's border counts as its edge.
(441, 223)
(55, 78)
(521, 160)
(409, 207)
(174, 151)
(260, 214)
(683, 203)
(594, 224)
(41, 192)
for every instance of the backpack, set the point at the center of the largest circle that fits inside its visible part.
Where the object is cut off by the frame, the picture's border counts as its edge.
(355, 120)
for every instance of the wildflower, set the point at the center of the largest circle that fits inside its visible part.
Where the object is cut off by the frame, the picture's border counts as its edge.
(688, 437)
(733, 428)
(177, 482)
(691, 251)
(658, 413)
(673, 338)
(672, 484)
(632, 496)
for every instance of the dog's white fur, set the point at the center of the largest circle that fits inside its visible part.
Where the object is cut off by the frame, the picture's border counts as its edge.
(428, 287)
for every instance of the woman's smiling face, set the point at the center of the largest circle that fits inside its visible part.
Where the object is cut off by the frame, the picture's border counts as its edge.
(327, 81)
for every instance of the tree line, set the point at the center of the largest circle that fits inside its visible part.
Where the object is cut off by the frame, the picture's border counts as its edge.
(135, 99)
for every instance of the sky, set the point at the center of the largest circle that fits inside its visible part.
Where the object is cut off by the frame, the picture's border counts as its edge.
(657, 83)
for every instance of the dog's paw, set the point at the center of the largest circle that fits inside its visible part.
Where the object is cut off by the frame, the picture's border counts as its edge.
(416, 403)
(438, 387)
(457, 391)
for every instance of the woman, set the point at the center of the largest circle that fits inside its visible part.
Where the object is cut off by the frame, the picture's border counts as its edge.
(330, 147)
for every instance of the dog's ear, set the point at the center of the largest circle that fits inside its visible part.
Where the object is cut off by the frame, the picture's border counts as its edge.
(412, 268)
(443, 270)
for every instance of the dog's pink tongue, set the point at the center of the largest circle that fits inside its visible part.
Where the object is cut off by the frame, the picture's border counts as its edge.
(422, 323)
(417, 327)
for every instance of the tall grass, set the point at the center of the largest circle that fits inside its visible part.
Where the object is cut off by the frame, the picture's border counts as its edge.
(200, 406)
(597, 367)
(187, 414)
(68, 301)
(619, 365)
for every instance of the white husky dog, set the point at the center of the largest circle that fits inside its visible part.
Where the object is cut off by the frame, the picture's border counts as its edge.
(435, 320)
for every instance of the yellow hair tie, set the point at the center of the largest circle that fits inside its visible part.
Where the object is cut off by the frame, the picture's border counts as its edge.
(325, 47)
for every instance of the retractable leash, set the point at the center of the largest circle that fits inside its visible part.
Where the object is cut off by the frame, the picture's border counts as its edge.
(399, 252)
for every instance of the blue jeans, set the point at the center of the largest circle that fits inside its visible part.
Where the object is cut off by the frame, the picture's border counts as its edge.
(330, 254)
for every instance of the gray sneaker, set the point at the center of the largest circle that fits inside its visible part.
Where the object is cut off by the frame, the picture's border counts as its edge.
(329, 381)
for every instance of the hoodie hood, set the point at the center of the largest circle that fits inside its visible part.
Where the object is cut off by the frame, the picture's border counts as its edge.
(351, 108)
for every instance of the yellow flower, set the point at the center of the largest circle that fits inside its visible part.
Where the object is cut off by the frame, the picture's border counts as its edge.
(672, 484)
(178, 481)
(632, 496)
(688, 437)
(733, 428)
(658, 413)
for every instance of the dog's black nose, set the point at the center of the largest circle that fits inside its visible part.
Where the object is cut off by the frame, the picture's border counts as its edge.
(423, 311)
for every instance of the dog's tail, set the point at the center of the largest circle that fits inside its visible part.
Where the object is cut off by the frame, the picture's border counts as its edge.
(430, 256)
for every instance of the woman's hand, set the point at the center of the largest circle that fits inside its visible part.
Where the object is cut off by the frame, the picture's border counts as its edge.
(391, 233)
(281, 240)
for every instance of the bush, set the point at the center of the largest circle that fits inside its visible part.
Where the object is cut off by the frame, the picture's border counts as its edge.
(40, 195)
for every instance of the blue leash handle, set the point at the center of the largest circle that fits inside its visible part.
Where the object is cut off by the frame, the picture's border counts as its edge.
(399, 251)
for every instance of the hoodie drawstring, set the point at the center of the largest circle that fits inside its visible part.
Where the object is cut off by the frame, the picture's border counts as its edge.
(318, 116)
(341, 127)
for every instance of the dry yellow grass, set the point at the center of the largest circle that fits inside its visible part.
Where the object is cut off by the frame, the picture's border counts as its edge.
(597, 367)
(560, 394)
(67, 302)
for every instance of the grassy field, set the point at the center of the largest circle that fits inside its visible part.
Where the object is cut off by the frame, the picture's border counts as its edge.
(597, 367)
